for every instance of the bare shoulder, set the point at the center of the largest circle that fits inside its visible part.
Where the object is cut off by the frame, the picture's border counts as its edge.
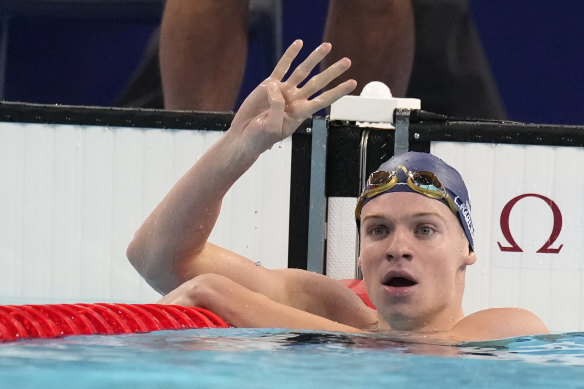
(498, 323)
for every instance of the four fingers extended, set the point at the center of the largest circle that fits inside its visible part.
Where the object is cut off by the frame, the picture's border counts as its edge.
(316, 83)
(304, 69)
(322, 79)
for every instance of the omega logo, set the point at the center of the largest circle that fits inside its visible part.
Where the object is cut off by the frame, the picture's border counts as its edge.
(557, 228)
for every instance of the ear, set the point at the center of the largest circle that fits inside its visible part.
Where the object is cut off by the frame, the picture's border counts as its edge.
(359, 262)
(470, 257)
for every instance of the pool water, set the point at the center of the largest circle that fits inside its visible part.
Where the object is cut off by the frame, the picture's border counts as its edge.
(273, 358)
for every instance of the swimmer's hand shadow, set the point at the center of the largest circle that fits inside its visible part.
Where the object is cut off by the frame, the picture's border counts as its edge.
(276, 108)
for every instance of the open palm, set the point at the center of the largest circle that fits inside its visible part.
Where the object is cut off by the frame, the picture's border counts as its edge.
(275, 108)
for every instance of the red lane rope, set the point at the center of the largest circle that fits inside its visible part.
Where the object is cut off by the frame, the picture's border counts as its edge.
(56, 320)
(83, 325)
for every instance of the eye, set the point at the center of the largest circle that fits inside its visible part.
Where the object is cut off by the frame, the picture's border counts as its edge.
(378, 230)
(426, 230)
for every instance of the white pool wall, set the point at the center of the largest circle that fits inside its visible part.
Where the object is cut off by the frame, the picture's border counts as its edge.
(73, 196)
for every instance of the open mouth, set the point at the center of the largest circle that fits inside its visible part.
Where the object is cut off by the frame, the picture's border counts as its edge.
(400, 282)
(399, 279)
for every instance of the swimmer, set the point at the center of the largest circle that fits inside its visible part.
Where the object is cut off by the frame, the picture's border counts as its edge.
(414, 225)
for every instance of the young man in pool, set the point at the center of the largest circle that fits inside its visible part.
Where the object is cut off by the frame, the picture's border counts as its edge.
(415, 231)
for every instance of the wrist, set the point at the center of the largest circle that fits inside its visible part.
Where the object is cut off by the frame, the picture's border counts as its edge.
(243, 147)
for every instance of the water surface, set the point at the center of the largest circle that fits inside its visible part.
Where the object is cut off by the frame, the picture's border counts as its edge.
(269, 358)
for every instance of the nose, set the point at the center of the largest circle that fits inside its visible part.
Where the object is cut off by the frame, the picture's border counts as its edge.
(399, 245)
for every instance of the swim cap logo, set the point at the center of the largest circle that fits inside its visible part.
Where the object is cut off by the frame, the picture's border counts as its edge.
(464, 208)
(557, 228)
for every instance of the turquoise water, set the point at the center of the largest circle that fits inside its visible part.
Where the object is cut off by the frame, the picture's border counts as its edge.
(268, 358)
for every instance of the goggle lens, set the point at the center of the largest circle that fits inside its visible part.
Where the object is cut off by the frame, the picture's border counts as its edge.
(427, 180)
(422, 182)
(378, 178)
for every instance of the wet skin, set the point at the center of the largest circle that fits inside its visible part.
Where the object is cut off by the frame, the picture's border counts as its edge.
(413, 256)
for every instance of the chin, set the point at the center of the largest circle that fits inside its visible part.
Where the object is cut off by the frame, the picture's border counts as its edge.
(399, 321)
(400, 312)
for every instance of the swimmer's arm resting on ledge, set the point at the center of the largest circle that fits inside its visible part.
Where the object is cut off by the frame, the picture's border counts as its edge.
(171, 245)
(245, 308)
(299, 289)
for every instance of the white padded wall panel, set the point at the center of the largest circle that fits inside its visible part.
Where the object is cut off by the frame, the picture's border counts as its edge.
(73, 196)
(341, 238)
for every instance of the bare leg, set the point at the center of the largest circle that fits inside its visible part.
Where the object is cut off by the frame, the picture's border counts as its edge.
(378, 36)
(203, 49)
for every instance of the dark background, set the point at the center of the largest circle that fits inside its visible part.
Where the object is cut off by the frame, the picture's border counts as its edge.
(535, 48)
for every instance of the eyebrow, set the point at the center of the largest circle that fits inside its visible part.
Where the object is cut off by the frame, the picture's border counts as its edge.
(431, 213)
(414, 216)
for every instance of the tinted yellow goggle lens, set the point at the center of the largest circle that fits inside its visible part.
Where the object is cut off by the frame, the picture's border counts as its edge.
(422, 182)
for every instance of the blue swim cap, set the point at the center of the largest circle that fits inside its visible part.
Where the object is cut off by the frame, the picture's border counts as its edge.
(448, 176)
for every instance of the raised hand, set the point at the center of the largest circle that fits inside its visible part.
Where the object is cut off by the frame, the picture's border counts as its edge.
(275, 109)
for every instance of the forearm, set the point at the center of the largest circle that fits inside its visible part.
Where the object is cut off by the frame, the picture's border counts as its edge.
(243, 307)
(261, 312)
(178, 228)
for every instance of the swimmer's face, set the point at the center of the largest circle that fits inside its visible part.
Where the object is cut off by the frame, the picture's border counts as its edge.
(413, 258)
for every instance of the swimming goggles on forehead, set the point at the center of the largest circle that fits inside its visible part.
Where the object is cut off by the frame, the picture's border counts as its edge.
(423, 182)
